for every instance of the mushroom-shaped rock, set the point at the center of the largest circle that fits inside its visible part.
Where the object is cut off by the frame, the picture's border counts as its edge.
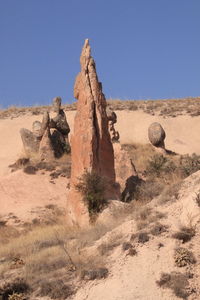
(156, 135)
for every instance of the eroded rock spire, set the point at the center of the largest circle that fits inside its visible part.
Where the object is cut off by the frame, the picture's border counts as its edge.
(91, 146)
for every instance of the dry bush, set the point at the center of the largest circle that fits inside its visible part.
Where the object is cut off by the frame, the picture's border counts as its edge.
(158, 229)
(18, 286)
(175, 281)
(30, 170)
(183, 257)
(17, 296)
(198, 199)
(93, 274)
(185, 234)
(142, 237)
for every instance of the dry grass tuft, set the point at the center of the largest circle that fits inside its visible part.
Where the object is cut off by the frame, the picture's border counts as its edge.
(175, 281)
(185, 234)
(56, 289)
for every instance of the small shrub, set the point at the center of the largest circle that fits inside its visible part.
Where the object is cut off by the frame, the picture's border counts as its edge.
(175, 281)
(92, 187)
(17, 296)
(126, 246)
(94, 274)
(183, 257)
(132, 252)
(19, 286)
(55, 289)
(158, 229)
(30, 170)
(141, 237)
(185, 234)
(198, 199)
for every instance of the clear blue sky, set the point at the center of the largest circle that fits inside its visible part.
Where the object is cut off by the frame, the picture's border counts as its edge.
(144, 49)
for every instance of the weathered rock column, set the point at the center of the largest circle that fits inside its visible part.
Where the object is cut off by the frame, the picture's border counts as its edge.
(91, 146)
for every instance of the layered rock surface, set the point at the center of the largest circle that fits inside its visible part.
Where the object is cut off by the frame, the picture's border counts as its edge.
(91, 145)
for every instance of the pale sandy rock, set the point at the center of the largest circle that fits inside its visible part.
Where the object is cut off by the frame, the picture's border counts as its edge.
(46, 151)
(156, 135)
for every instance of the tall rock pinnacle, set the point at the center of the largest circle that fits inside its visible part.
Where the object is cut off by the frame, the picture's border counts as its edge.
(91, 145)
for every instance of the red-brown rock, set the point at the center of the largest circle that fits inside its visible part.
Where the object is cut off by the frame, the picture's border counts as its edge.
(91, 145)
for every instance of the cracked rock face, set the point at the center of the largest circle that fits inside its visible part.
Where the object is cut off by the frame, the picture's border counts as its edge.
(91, 145)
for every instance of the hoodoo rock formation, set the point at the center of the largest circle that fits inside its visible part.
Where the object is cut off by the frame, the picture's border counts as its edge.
(112, 119)
(91, 145)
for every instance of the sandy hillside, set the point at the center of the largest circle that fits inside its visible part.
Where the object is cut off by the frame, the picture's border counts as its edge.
(27, 198)
(182, 133)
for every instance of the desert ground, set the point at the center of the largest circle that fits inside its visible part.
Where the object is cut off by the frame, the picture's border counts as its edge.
(132, 245)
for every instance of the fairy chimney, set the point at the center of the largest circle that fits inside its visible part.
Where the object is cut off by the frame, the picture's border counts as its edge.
(91, 146)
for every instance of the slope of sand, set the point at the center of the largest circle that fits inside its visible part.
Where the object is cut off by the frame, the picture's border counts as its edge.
(134, 277)
(182, 133)
(129, 277)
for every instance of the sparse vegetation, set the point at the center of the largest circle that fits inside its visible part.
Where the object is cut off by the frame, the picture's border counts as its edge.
(56, 289)
(158, 229)
(140, 237)
(30, 170)
(148, 190)
(198, 199)
(94, 274)
(189, 164)
(170, 193)
(160, 165)
(185, 234)
(175, 281)
(92, 187)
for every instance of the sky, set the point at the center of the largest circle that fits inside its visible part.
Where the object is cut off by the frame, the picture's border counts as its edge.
(144, 49)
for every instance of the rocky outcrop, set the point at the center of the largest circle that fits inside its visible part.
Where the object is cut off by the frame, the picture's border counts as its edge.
(43, 141)
(112, 119)
(46, 151)
(91, 145)
(157, 136)
(61, 129)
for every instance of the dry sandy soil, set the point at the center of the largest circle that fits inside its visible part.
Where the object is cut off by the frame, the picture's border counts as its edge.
(25, 196)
